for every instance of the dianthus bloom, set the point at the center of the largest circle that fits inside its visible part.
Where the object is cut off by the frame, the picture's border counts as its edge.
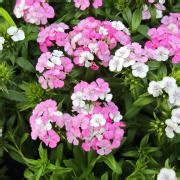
(84, 4)
(41, 121)
(132, 55)
(54, 67)
(92, 40)
(52, 35)
(98, 123)
(34, 11)
(165, 40)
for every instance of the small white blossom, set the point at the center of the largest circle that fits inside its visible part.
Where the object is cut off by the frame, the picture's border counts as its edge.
(159, 14)
(116, 117)
(176, 115)
(93, 47)
(116, 64)
(85, 57)
(155, 88)
(172, 127)
(162, 1)
(162, 54)
(16, 34)
(43, 126)
(2, 40)
(77, 99)
(140, 69)
(103, 31)
(128, 62)
(166, 174)
(118, 25)
(174, 96)
(168, 84)
(122, 52)
(57, 53)
(97, 120)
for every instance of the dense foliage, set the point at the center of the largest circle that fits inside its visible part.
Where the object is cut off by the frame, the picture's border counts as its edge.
(96, 81)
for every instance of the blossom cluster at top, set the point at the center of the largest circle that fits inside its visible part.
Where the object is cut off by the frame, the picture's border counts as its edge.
(84, 4)
(169, 86)
(14, 33)
(159, 8)
(54, 67)
(165, 40)
(130, 55)
(34, 11)
(89, 41)
(98, 127)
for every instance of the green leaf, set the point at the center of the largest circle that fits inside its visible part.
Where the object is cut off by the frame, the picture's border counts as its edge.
(112, 164)
(144, 140)
(136, 19)
(143, 29)
(104, 176)
(132, 153)
(14, 96)
(7, 17)
(127, 15)
(24, 138)
(25, 64)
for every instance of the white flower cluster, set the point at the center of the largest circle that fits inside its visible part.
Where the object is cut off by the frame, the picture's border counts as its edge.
(166, 174)
(120, 27)
(87, 58)
(2, 40)
(168, 85)
(162, 54)
(16, 34)
(122, 60)
(55, 58)
(173, 124)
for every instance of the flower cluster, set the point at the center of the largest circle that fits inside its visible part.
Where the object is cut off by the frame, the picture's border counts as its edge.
(2, 41)
(130, 55)
(54, 67)
(98, 128)
(53, 35)
(34, 11)
(84, 4)
(84, 92)
(93, 39)
(159, 7)
(168, 84)
(165, 39)
(41, 121)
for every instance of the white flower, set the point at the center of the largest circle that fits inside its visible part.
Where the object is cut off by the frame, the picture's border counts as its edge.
(176, 115)
(77, 99)
(57, 53)
(122, 52)
(55, 60)
(173, 28)
(93, 47)
(118, 25)
(155, 88)
(1, 47)
(2, 40)
(166, 174)
(97, 120)
(116, 64)
(19, 9)
(174, 96)
(172, 127)
(43, 126)
(128, 62)
(140, 69)
(103, 31)
(168, 84)
(75, 39)
(159, 14)
(162, 53)
(16, 34)
(58, 113)
(116, 117)
(0, 132)
(85, 57)
(162, 1)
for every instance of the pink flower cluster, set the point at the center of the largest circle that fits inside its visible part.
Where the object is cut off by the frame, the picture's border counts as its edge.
(54, 67)
(41, 121)
(91, 39)
(84, 4)
(34, 11)
(166, 38)
(99, 128)
(159, 8)
(53, 35)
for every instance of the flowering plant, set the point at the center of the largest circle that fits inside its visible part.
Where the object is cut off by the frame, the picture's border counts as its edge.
(89, 89)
